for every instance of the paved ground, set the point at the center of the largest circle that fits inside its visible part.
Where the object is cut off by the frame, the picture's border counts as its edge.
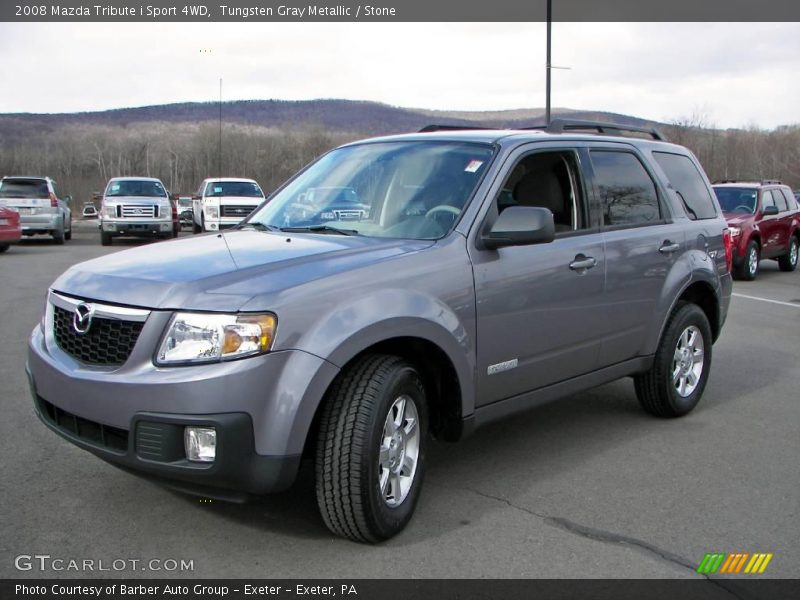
(587, 487)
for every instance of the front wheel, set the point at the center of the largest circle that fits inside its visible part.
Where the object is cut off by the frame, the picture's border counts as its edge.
(674, 384)
(788, 262)
(370, 457)
(105, 238)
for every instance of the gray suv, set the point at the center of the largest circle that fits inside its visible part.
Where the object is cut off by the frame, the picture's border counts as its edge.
(492, 272)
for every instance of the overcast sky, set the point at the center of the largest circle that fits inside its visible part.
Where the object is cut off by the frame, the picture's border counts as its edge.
(735, 74)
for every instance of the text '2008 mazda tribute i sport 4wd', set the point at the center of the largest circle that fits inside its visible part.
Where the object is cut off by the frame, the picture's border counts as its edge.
(493, 271)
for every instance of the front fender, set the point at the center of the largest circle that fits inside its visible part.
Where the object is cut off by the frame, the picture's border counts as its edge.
(350, 329)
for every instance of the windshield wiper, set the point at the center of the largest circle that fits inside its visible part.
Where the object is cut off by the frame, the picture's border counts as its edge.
(319, 229)
(258, 226)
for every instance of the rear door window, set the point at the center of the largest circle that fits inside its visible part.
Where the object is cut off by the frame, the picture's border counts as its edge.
(780, 200)
(627, 192)
(685, 179)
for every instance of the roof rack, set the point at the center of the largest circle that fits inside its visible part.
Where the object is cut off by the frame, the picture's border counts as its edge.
(752, 181)
(432, 128)
(564, 125)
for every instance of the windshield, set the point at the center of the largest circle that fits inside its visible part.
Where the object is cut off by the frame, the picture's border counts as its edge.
(246, 189)
(135, 187)
(413, 190)
(24, 188)
(737, 200)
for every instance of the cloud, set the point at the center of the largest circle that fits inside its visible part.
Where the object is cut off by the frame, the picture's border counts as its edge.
(737, 73)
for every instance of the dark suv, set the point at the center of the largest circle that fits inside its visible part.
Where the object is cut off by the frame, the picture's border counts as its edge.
(488, 272)
(764, 222)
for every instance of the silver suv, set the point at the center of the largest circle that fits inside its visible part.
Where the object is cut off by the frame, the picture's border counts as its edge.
(41, 207)
(490, 272)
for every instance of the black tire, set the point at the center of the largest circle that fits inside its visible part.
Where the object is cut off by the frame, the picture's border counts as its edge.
(196, 228)
(68, 233)
(788, 262)
(4, 247)
(747, 271)
(58, 236)
(105, 238)
(656, 389)
(351, 431)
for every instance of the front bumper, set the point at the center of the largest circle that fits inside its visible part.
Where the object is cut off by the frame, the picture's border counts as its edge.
(152, 447)
(262, 408)
(136, 228)
(223, 223)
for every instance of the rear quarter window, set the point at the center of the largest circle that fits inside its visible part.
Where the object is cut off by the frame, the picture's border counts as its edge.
(685, 178)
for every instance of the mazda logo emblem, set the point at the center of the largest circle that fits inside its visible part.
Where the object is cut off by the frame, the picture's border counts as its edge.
(82, 319)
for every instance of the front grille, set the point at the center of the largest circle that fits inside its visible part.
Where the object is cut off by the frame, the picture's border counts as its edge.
(91, 432)
(108, 341)
(138, 211)
(236, 210)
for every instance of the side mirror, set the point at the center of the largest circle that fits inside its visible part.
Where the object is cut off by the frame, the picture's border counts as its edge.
(521, 226)
(195, 197)
(68, 199)
(770, 211)
(97, 196)
(173, 197)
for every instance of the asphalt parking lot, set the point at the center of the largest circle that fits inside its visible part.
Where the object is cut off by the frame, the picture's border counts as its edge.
(587, 487)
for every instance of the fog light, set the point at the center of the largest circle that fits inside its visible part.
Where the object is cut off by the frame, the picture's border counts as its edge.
(200, 443)
(213, 226)
(166, 226)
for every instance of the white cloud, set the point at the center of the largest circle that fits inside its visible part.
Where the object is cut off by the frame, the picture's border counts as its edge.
(737, 73)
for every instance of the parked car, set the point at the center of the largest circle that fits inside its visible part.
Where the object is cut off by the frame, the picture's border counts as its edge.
(89, 211)
(493, 272)
(222, 203)
(41, 207)
(136, 206)
(10, 229)
(764, 221)
(185, 211)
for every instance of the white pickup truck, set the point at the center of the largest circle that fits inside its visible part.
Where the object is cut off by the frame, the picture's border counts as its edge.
(222, 203)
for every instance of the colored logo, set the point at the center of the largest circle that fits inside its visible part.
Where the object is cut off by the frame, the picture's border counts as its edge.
(734, 563)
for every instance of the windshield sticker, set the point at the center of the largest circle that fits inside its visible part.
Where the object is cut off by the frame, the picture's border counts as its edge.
(115, 187)
(473, 166)
(218, 190)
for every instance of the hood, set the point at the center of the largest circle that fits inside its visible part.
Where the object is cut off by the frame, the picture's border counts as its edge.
(222, 271)
(737, 218)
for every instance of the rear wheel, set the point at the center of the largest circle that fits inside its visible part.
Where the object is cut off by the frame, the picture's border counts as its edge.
(58, 235)
(4, 247)
(788, 262)
(68, 232)
(370, 456)
(674, 384)
(105, 238)
(748, 270)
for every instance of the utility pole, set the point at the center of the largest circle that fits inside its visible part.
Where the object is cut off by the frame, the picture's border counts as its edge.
(219, 156)
(548, 66)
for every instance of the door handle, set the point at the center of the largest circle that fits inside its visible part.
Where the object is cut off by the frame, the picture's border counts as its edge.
(669, 247)
(582, 263)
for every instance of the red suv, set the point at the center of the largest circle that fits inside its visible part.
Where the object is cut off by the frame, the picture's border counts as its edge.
(764, 222)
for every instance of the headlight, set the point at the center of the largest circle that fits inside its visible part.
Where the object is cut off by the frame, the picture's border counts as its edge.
(205, 337)
(110, 211)
(212, 212)
(735, 231)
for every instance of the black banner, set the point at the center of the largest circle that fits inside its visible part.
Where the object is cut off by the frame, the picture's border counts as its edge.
(398, 10)
(400, 589)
